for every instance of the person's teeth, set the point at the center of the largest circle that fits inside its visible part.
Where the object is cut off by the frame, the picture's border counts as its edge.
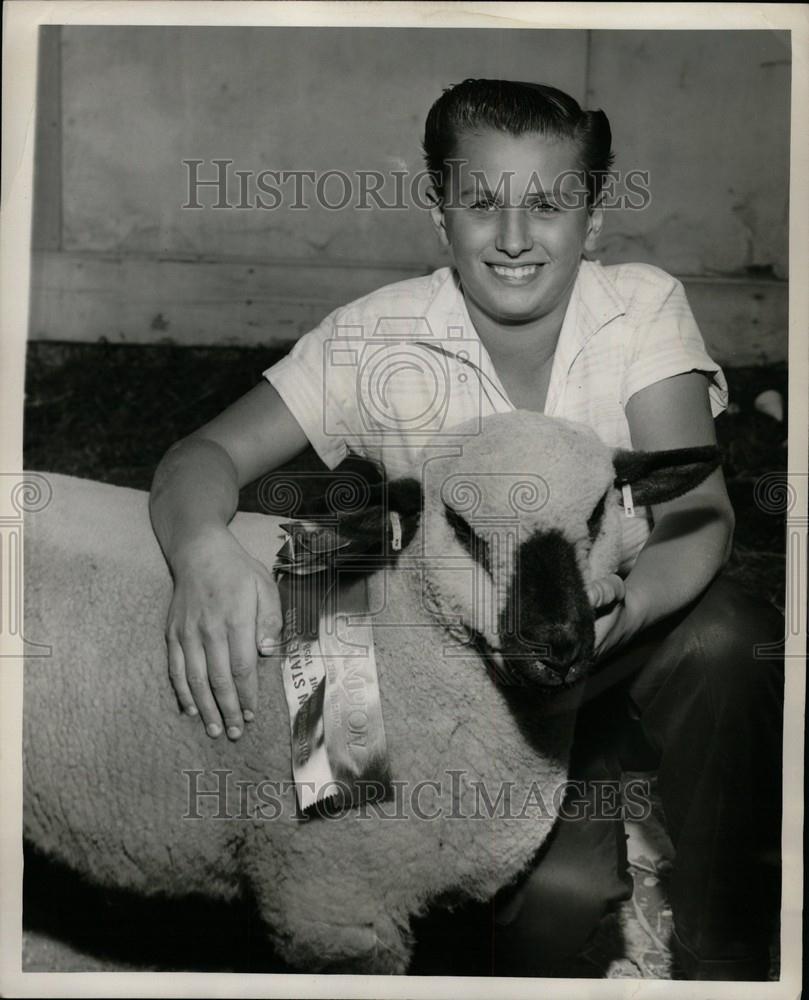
(515, 272)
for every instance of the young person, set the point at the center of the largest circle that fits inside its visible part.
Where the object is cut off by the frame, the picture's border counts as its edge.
(522, 320)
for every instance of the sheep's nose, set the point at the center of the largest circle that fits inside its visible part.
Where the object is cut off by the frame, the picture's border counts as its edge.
(562, 657)
(565, 648)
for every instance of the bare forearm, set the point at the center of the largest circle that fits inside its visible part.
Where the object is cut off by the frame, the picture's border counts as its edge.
(692, 535)
(685, 551)
(195, 489)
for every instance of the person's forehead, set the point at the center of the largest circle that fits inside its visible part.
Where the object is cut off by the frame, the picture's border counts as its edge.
(490, 158)
(501, 147)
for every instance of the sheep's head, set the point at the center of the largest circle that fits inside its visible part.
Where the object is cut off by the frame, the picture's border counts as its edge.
(518, 521)
(514, 528)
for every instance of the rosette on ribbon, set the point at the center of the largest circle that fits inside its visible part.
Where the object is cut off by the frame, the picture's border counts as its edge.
(308, 549)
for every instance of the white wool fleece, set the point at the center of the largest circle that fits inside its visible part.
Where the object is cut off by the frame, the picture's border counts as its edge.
(107, 754)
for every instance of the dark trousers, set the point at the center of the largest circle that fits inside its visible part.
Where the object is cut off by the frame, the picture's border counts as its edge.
(694, 699)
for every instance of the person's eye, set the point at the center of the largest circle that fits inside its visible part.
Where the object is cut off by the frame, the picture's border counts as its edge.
(543, 208)
(484, 205)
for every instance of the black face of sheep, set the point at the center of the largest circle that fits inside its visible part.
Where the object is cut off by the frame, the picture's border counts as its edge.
(546, 627)
(531, 532)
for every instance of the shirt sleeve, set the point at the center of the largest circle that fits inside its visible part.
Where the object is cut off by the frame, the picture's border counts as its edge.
(666, 341)
(315, 393)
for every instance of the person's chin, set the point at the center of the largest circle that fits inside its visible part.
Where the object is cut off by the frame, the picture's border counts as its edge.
(514, 303)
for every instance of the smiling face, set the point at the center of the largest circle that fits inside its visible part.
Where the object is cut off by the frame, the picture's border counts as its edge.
(516, 222)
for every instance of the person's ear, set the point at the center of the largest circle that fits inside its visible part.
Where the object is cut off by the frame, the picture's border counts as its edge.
(594, 223)
(438, 216)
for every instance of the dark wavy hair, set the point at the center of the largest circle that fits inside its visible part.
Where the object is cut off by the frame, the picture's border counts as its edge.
(516, 108)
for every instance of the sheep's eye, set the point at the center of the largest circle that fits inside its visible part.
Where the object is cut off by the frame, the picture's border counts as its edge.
(594, 520)
(477, 547)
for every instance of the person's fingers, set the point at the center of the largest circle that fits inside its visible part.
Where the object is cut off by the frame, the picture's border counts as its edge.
(268, 618)
(220, 677)
(177, 675)
(603, 628)
(243, 669)
(606, 590)
(597, 593)
(196, 670)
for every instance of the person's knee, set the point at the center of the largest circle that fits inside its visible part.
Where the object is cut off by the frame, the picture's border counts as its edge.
(556, 922)
(745, 621)
(715, 679)
(558, 907)
(732, 645)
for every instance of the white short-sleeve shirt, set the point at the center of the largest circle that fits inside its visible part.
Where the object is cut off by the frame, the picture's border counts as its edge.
(393, 373)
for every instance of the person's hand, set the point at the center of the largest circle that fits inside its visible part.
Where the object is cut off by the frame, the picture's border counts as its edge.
(616, 618)
(225, 610)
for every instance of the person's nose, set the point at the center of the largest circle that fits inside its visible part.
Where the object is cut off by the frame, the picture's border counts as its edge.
(514, 232)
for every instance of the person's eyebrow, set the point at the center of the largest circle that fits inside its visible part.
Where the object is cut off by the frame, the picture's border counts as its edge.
(481, 190)
(477, 189)
(539, 194)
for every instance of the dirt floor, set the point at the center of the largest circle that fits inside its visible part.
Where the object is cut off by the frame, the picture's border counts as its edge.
(109, 412)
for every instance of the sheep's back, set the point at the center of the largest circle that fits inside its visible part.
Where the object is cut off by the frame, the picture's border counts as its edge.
(107, 754)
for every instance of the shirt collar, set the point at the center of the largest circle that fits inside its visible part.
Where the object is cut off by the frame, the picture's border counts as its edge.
(454, 333)
(597, 301)
(594, 302)
(447, 308)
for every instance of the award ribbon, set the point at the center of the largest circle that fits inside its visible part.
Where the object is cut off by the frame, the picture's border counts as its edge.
(339, 754)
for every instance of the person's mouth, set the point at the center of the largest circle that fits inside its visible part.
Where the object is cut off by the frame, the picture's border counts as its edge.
(516, 274)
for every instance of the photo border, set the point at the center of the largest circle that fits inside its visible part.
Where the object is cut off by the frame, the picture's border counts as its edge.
(22, 19)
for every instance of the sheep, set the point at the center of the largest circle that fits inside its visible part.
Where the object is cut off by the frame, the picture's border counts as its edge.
(123, 789)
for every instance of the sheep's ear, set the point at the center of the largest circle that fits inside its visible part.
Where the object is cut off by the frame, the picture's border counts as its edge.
(405, 497)
(370, 530)
(658, 476)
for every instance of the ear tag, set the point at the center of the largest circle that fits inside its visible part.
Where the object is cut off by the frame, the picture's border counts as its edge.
(396, 530)
(629, 506)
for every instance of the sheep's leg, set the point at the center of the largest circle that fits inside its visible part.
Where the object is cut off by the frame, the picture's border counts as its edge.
(316, 939)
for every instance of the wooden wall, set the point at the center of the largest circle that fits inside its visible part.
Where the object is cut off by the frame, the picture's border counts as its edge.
(117, 256)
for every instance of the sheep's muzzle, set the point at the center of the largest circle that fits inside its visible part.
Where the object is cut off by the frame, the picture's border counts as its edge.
(546, 627)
